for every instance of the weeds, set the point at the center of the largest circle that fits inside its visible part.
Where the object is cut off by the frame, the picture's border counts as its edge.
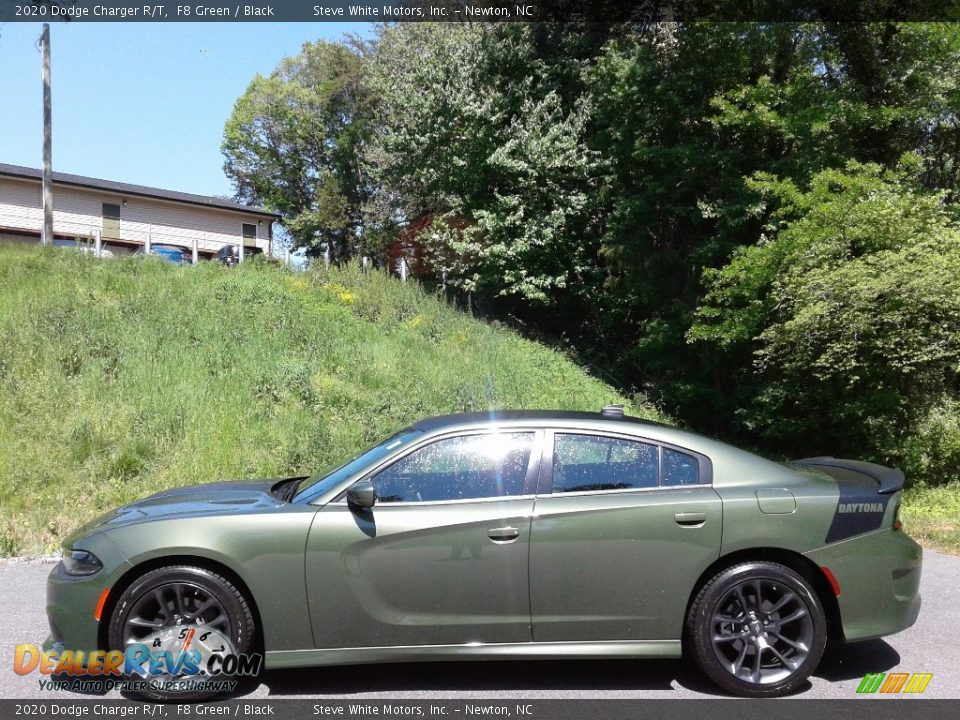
(121, 378)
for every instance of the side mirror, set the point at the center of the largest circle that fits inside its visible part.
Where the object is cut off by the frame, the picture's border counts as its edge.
(362, 495)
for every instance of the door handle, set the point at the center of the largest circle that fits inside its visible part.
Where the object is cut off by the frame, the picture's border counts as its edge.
(503, 534)
(690, 519)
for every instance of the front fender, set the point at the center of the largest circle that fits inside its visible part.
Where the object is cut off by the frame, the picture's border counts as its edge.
(264, 550)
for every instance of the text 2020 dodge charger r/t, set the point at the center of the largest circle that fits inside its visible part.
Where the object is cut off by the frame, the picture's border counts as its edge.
(512, 535)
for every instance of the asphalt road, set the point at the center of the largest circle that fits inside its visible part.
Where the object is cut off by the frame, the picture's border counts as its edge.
(932, 645)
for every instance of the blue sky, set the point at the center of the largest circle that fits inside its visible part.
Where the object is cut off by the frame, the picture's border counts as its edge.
(140, 102)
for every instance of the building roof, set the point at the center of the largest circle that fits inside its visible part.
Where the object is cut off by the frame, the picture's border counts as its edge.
(18, 171)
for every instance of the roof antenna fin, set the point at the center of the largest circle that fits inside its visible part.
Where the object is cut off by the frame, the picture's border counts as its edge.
(612, 411)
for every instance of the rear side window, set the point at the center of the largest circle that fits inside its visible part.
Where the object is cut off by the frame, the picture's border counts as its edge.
(680, 468)
(587, 462)
(459, 468)
(590, 463)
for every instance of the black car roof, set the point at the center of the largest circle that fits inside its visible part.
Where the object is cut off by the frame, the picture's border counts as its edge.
(494, 416)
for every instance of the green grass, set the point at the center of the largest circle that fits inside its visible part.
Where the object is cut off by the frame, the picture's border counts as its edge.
(119, 378)
(931, 515)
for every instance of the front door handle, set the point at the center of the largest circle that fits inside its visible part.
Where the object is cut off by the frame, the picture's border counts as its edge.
(690, 519)
(503, 534)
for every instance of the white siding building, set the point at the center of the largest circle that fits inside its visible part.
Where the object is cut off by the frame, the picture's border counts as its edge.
(127, 216)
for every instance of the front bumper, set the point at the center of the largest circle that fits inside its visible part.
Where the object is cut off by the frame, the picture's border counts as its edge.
(879, 578)
(72, 600)
(70, 606)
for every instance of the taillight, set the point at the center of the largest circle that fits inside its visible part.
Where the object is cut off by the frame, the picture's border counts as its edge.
(897, 524)
(834, 585)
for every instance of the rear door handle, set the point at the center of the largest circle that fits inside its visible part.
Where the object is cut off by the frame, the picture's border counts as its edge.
(690, 519)
(503, 534)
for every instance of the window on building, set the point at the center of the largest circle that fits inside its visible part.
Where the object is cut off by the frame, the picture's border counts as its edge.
(111, 221)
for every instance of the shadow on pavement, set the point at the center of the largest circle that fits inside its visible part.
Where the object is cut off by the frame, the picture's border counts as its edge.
(586, 675)
(848, 662)
(852, 662)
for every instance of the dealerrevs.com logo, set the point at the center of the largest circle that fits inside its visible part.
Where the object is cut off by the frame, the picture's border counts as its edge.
(177, 659)
(892, 683)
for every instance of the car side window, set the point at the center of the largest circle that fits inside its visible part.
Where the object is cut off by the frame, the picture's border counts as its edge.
(679, 468)
(589, 462)
(459, 468)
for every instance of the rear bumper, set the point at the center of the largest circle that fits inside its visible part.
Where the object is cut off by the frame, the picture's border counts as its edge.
(879, 578)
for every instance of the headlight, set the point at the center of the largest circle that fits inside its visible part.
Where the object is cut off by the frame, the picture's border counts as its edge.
(80, 562)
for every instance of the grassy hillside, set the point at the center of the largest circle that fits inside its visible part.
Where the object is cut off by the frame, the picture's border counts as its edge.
(932, 516)
(120, 378)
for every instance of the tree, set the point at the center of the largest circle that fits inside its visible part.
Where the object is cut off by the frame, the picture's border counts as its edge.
(851, 307)
(632, 192)
(295, 141)
(683, 114)
(496, 141)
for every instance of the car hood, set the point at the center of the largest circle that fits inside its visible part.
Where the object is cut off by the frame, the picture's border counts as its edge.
(218, 498)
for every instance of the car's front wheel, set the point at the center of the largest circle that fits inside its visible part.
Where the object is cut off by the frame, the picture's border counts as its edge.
(187, 615)
(757, 629)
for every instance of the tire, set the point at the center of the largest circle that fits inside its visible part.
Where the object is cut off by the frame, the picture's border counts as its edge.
(751, 648)
(215, 600)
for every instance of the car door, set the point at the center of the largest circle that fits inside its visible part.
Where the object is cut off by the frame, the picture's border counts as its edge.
(622, 529)
(442, 556)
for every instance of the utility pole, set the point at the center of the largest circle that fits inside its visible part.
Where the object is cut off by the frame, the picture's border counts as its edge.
(46, 236)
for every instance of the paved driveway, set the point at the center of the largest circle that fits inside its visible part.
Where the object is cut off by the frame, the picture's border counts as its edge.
(932, 645)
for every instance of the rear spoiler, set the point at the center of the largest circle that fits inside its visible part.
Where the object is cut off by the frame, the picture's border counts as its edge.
(889, 479)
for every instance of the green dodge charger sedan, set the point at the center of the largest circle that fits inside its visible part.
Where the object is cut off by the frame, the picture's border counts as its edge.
(532, 534)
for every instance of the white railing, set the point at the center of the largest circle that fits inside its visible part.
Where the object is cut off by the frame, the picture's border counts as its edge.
(135, 234)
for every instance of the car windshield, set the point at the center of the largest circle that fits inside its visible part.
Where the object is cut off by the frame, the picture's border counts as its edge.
(315, 486)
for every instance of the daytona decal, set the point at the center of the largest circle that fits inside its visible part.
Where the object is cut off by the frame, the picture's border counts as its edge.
(860, 509)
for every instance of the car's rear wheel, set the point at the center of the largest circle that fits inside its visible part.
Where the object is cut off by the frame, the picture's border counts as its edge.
(757, 629)
(180, 609)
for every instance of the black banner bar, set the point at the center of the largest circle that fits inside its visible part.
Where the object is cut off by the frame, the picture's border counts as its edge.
(479, 11)
(517, 709)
